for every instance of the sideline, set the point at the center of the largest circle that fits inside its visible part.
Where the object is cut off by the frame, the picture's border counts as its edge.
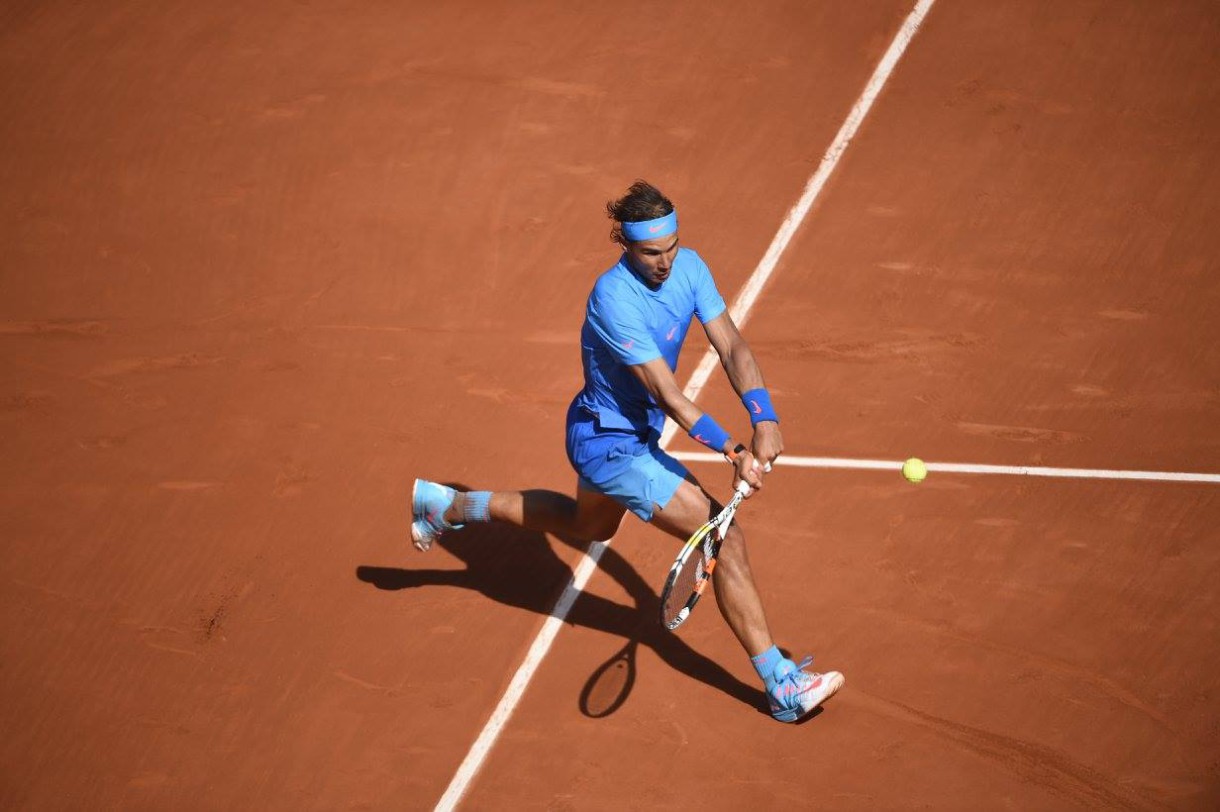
(740, 312)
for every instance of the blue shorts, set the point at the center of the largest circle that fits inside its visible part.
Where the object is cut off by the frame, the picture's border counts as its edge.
(630, 469)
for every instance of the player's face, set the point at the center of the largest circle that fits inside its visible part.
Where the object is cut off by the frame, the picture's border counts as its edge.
(653, 259)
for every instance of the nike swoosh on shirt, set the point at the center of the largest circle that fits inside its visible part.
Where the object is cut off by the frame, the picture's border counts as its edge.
(629, 344)
(670, 335)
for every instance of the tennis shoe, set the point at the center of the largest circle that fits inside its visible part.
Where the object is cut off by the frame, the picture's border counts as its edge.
(793, 692)
(429, 501)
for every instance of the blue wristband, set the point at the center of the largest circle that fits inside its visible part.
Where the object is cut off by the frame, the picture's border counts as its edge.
(708, 431)
(758, 404)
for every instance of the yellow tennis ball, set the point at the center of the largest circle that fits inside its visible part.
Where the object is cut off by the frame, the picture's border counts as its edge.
(914, 470)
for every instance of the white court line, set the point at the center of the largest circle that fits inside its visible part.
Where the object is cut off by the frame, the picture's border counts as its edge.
(521, 680)
(740, 312)
(966, 468)
(749, 293)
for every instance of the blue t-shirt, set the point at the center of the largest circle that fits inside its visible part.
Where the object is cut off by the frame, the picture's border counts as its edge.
(627, 323)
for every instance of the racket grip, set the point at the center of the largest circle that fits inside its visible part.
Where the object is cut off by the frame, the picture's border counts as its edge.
(744, 488)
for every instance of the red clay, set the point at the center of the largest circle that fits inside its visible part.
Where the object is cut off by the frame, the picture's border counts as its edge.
(266, 264)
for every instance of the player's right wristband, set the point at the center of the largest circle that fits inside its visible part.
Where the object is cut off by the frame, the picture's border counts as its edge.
(758, 404)
(708, 431)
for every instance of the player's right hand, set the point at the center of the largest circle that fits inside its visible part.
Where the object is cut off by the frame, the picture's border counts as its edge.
(767, 444)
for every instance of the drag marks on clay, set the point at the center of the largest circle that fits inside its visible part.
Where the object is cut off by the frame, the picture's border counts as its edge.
(577, 170)
(997, 521)
(912, 345)
(1019, 434)
(165, 638)
(244, 307)
(677, 735)
(290, 482)
(149, 780)
(1089, 397)
(188, 486)
(387, 690)
(551, 87)
(534, 128)
(102, 442)
(557, 337)
(1032, 763)
(504, 396)
(29, 402)
(487, 327)
(234, 195)
(292, 108)
(279, 365)
(55, 328)
(60, 597)
(1124, 315)
(140, 366)
(532, 402)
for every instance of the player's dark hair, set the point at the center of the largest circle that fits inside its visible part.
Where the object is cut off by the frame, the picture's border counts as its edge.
(643, 201)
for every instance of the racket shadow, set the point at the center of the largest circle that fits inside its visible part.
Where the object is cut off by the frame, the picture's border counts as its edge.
(639, 624)
(520, 568)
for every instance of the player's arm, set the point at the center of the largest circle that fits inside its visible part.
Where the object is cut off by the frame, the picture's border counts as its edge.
(744, 374)
(658, 379)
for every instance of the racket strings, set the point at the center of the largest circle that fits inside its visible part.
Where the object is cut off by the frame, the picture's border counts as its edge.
(685, 582)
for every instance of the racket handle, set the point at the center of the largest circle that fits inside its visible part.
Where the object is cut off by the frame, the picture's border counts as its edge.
(744, 488)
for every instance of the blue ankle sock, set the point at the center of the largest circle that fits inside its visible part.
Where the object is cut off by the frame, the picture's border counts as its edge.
(765, 663)
(477, 507)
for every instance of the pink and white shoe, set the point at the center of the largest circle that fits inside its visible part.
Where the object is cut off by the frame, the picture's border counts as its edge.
(794, 693)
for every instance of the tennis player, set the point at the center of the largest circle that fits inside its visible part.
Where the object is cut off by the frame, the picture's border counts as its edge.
(636, 321)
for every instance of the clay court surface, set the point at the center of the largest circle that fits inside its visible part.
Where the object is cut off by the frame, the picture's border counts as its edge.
(265, 263)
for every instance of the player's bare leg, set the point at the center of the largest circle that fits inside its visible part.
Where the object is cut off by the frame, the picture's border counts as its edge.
(736, 593)
(589, 517)
(792, 692)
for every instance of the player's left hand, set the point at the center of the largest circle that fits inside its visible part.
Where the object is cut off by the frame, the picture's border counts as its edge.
(747, 470)
(767, 444)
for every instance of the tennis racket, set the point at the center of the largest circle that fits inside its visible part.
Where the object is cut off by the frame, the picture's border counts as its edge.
(696, 561)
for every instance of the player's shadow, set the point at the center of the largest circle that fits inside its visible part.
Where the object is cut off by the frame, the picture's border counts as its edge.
(519, 568)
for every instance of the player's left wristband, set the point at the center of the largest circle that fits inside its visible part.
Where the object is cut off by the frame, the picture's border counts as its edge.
(708, 431)
(732, 455)
(758, 404)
